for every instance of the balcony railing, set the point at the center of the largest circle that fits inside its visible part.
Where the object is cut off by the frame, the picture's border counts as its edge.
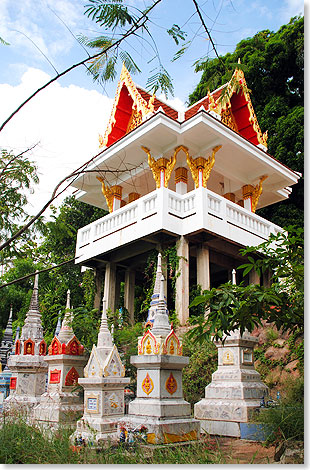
(163, 209)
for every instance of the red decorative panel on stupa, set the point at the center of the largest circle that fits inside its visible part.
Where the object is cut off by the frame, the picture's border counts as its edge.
(17, 347)
(42, 348)
(55, 376)
(13, 383)
(74, 347)
(72, 377)
(55, 347)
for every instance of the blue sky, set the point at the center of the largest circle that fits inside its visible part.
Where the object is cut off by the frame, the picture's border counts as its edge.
(66, 120)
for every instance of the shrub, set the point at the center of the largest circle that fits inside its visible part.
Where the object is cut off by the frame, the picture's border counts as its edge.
(287, 418)
(202, 364)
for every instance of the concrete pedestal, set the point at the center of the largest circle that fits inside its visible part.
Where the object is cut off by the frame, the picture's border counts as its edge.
(61, 404)
(159, 404)
(103, 407)
(28, 381)
(235, 391)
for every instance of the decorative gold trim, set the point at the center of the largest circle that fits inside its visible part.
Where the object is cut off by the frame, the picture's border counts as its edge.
(162, 164)
(227, 118)
(169, 438)
(144, 348)
(106, 191)
(139, 103)
(181, 175)
(112, 353)
(235, 82)
(202, 164)
(147, 384)
(228, 357)
(134, 121)
(133, 197)
(257, 192)
(171, 384)
(114, 192)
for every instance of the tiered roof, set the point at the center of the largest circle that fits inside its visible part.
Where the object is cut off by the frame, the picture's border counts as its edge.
(231, 103)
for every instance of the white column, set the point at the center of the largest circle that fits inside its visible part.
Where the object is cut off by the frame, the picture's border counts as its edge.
(203, 267)
(248, 204)
(129, 293)
(182, 281)
(109, 285)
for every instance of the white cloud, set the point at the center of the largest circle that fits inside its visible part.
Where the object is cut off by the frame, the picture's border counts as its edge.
(292, 8)
(176, 103)
(66, 121)
(29, 23)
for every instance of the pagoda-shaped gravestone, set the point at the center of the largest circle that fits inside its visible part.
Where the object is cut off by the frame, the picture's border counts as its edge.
(62, 403)
(104, 383)
(236, 388)
(7, 341)
(28, 364)
(159, 405)
(155, 295)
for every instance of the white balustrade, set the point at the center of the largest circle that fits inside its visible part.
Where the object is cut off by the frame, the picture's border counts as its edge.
(149, 203)
(214, 203)
(247, 220)
(195, 207)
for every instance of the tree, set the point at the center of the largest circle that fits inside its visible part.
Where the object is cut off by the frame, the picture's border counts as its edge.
(17, 175)
(57, 245)
(243, 307)
(273, 64)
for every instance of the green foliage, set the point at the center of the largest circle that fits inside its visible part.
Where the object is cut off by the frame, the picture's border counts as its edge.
(170, 262)
(25, 444)
(89, 288)
(273, 63)
(17, 175)
(244, 307)
(22, 443)
(126, 340)
(272, 334)
(198, 374)
(86, 325)
(57, 245)
(160, 80)
(109, 14)
(195, 310)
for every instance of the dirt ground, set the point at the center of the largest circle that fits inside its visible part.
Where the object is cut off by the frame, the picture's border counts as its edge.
(237, 451)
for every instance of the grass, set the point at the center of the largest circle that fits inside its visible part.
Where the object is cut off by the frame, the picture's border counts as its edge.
(22, 443)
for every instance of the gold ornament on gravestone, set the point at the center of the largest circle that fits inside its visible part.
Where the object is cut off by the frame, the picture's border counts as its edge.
(147, 384)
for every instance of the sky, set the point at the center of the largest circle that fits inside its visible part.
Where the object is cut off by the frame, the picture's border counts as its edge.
(65, 120)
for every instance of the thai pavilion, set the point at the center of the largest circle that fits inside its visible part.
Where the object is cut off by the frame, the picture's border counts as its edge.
(192, 178)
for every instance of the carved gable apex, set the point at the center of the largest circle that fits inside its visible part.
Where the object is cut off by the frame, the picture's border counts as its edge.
(114, 366)
(94, 365)
(128, 111)
(236, 109)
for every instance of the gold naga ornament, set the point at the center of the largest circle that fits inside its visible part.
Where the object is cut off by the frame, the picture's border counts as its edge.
(110, 193)
(258, 189)
(203, 165)
(254, 192)
(162, 164)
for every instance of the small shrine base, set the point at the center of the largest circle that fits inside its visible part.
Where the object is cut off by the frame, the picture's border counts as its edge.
(59, 408)
(165, 431)
(96, 429)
